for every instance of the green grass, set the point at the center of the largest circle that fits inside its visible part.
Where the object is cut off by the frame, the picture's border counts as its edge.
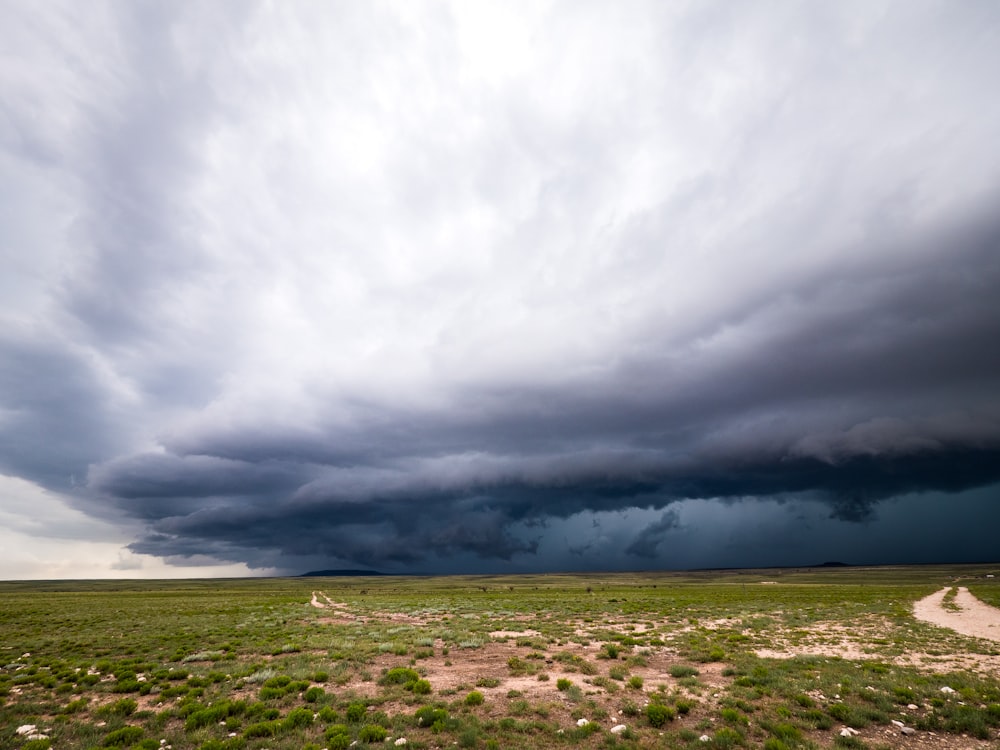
(248, 664)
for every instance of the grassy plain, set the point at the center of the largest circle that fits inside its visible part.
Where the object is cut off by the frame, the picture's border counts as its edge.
(769, 658)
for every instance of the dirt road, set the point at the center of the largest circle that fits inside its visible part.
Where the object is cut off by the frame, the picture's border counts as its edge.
(972, 618)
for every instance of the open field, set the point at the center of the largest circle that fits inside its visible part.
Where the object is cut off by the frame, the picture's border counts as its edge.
(770, 658)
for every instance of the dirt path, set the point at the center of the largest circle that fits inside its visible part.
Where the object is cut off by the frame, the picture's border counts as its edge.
(973, 618)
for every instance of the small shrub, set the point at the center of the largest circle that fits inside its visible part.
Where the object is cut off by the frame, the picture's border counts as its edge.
(839, 711)
(338, 737)
(629, 708)
(609, 651)
(356, 712)
(124, 737)
(727, 737)
(399, 676)
(419, 687)
(270, 693)
(488, 682)
(635, 682)
(657, 714)
(787, 733)
(298, 718)
(262, 729)
(563, 684)
(372, 733)
(682, 670)
(517, 666)
(732, 716)
(428, 716)
(618, 672)
(75, 706)
(123, 707)
(475, 698)
(321, 677)
(313, 694)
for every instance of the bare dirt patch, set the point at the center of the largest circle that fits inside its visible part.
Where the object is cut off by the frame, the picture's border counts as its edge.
(972, 617)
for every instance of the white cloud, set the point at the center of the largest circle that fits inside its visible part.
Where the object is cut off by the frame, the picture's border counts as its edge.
(43, 538)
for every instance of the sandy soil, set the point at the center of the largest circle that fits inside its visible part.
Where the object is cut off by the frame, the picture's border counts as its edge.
(972, 618)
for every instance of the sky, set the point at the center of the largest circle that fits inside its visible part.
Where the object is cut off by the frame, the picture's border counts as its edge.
(463, 287)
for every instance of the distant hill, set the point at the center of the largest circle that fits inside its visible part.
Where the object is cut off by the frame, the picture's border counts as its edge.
(833, 565)
(339, 573)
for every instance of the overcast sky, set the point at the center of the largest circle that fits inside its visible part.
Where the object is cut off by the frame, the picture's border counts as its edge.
(497, 286)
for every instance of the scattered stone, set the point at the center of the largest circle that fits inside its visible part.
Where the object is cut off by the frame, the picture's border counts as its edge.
(849, 732)
(582, 722)
(400, 742)
(26, 729)
(898, 723)
(913, 706)
(908, 730)
(618, 728)
(704, 738)
(947, 690)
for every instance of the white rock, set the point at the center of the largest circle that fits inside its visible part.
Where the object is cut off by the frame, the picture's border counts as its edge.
(912, 706)
(947, 690)
(908, 730)
(704, 738)
(400, 742)
(582, 722)
(849, 732)
(898, 723)
(37, 736)
(618, 728)
(26, 729)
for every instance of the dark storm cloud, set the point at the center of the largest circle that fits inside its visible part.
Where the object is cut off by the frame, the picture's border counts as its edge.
(647, 542)
(866, 395)
(409, 286)
(57, 415)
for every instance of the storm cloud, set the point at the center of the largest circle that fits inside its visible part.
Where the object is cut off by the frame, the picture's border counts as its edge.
(434, 287)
